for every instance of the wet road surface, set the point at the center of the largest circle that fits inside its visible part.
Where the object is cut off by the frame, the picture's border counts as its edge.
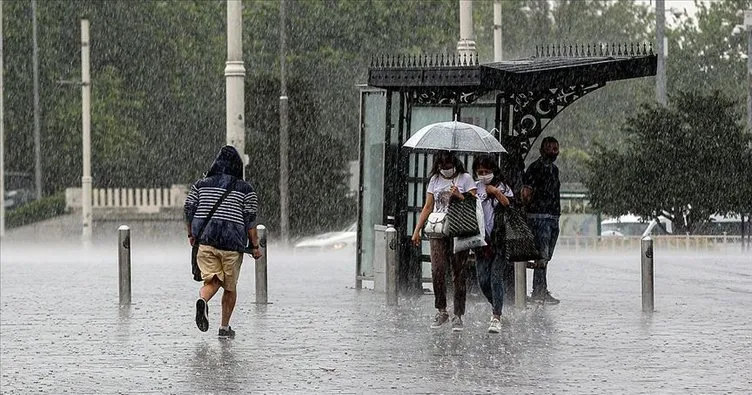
(61, 330)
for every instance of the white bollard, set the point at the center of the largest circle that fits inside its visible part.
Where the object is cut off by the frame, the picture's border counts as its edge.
(391, 265)
(124, 264)
(262, 296)
(647, 275)
(520, 284)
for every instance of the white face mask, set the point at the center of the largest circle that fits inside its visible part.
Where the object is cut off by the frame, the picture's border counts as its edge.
(486, 179)
(447, 173)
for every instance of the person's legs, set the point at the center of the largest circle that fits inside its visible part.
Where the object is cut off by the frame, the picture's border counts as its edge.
(210, 264)
(497, 290)
(553, 237)
(541, 232)
(439, 253)
(483, 271)
(228, 305)
(459, 271)
(209, 260)
(231, 263)
(546, 237)
(209, 289)
(497, 284)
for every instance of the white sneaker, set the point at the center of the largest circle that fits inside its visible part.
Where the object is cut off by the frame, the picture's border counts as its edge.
(495, 326)
(457, 324)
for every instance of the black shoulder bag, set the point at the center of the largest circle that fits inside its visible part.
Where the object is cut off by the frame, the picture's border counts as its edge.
(513, 233)
(194, 251)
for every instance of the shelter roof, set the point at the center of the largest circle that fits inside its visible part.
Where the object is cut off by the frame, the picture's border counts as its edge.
(550, 67)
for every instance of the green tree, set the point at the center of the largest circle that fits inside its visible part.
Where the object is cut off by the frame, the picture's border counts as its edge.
(709, 52)
(676, 163)
(317, 174)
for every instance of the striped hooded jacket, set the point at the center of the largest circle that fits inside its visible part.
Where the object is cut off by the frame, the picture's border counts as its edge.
(228, 227)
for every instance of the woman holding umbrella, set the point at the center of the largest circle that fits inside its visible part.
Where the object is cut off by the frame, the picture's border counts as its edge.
(448, 179)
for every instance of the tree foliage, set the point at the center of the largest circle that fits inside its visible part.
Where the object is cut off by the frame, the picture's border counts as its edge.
(688, 161)
(158, 79)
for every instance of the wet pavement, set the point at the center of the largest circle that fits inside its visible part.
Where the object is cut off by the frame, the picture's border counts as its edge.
(61, 330)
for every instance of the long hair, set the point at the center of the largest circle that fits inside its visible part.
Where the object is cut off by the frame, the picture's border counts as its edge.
(442, 157)
(489, 162)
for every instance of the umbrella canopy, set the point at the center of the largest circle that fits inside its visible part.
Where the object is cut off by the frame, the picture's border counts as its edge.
(454, 136)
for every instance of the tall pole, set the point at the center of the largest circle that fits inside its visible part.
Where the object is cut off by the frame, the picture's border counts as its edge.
(497, 31)
(466, 45)
(35, 76)
(284, 138)
(748, 27)
(660, 28)
(2, 130)
(235, 80)
(86, 128)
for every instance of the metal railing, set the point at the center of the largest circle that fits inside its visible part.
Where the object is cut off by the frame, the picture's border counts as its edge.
(667, 242)
(129, 197)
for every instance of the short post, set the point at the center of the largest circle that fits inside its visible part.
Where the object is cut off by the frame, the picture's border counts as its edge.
(124, 264)
(520, 284)
(647, 275)
(261, 283)
(391, 265)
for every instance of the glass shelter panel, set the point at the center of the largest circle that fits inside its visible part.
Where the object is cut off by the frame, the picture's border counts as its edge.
(483, 115)
(371, 194)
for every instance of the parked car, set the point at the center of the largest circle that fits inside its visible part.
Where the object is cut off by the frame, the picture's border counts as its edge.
(19, 189)
(330, 241)
(632, 225)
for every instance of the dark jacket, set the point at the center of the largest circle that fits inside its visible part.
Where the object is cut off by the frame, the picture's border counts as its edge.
(228, 228)
(543, 177)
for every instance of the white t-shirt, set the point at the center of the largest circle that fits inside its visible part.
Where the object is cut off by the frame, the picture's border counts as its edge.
(439, 187)
(489, 204)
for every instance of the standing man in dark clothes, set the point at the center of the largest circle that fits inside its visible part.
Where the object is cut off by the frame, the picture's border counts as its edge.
(226, 235)
(540, 194)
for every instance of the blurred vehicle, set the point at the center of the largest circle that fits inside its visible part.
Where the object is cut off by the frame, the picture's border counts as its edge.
(718, 225)
(19, 189)
(632, 225)
(330, 241)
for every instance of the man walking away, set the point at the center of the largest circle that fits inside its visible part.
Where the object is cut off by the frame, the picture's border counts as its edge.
(225, 234)
(540, 194)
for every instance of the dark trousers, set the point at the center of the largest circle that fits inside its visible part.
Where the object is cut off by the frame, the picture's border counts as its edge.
(546, 232)
(441, 257)
(489, 265)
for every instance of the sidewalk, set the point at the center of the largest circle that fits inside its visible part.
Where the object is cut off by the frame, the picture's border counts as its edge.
(61, 330)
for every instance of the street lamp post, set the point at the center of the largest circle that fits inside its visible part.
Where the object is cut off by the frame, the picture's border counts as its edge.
(2, 131)
(235, 80)
(35, 77)
(466, 45)
(497, 31)
(748, 28)
(660, 28)
(86, 129)
(284, 136)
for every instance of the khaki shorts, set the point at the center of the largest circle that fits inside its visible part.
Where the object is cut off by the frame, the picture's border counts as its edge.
(223, 264)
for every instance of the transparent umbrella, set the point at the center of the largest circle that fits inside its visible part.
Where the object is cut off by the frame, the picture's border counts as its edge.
(454, 136)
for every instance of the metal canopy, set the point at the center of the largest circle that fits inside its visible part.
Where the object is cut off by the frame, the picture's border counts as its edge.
(548, 68)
